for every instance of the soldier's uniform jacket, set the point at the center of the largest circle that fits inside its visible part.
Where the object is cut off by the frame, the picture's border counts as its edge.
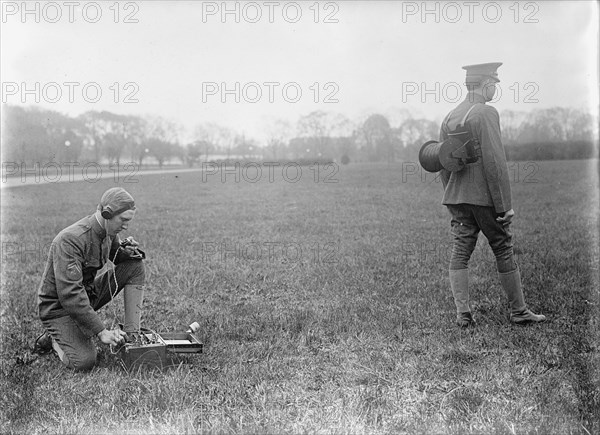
(486, 181)
(75, 255)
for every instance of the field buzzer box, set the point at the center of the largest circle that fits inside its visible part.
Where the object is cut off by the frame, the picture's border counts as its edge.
(182, 342)
(158, 350)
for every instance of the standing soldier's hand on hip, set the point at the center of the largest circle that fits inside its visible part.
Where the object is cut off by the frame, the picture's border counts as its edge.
(507, 217)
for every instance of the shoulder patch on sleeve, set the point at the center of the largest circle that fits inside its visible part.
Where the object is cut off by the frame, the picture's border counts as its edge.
(74, 271)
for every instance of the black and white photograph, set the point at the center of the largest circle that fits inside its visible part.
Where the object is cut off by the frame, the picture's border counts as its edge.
(267, 217)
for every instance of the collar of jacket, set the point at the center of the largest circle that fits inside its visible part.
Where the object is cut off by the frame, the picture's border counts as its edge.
(96, 227)
(472, 97)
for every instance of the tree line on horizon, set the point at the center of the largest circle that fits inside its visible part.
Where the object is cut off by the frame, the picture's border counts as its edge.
(33, 135)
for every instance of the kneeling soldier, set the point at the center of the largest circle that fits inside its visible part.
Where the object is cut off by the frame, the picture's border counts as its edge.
(87, 267)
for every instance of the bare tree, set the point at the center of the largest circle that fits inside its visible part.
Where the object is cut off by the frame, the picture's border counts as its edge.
(414, 132)
(377, 134)
(35, 136)
(279, 133)
(510, 124)
(161, 139)
(110, 134)
(317, 128)
(219, 137)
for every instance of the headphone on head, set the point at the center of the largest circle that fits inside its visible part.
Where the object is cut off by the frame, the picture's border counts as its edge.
(108, 213)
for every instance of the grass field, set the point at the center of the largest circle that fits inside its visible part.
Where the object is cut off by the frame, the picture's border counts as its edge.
(325, 308)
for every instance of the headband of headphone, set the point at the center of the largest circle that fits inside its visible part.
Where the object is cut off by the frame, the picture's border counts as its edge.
(108, 213)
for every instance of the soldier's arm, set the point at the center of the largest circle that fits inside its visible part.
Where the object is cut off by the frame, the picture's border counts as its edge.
(495, 168)
(444, 174)
(68, 272)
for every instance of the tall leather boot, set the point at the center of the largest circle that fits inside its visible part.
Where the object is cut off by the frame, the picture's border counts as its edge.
(519, 313)
(459, 283)
(134, 298)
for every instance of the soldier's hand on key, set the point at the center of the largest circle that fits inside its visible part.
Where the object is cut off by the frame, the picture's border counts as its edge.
(129, 245)
(113, 337)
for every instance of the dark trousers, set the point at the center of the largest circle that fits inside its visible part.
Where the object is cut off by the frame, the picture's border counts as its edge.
(467, 220)
(78, 350)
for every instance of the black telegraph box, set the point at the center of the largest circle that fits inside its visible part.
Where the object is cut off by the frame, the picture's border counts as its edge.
(158, 350)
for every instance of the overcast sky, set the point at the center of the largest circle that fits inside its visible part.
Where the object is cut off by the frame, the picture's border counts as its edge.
(172, 58)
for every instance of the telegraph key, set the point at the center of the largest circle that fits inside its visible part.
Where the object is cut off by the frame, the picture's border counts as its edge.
(151, 349)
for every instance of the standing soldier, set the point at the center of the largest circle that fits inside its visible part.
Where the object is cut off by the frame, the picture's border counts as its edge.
(478, 197)
(87, 267)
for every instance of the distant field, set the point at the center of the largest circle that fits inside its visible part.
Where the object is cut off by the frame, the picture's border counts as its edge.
(324, 306)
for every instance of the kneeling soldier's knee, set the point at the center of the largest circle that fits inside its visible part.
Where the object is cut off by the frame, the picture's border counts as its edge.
(85, 360)
(139, 273)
